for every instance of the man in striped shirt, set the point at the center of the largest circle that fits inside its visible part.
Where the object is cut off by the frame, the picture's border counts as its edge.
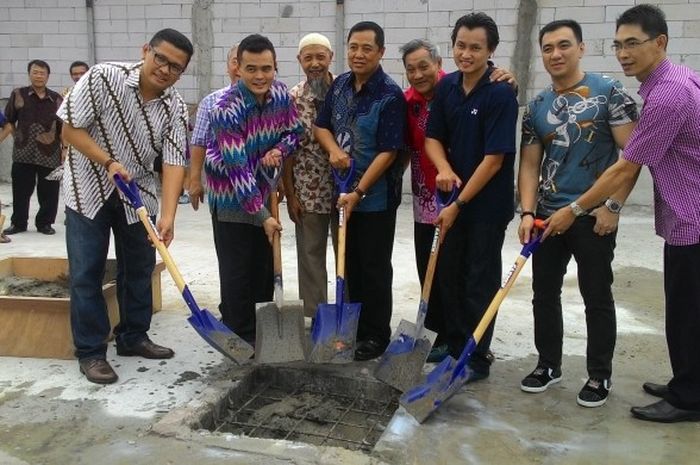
(254, 125)
(117, 119)
(667, 140)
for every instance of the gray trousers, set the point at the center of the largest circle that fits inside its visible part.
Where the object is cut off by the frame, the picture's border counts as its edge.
(312, 242)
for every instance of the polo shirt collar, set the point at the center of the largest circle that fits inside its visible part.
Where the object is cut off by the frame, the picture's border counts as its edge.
(457, 78)
(654, 77)
(49, 95)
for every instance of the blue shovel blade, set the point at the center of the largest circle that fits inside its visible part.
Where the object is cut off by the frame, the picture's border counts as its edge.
(334, 342)
(220, 337)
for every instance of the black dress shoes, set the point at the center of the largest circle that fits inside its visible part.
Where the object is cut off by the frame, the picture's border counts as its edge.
(369, 349)
(663, 412)
(98, 371)
(657, 390)
(14, 229)
(46, 229)
(146, 349)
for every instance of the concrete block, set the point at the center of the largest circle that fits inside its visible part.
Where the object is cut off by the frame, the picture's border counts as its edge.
(135, 12)
(12, 27)
(136, 25)
(327, 9)
(40, 3)
(682, 12)
(559, 3)
(12, 53)
(628, 3)
(26, 40)
(119, 12)
(58, 14)
(270, 10)
(691, 61)
(364, 6)
(59, 40)
(581, 14)
(691, 29)
(72, 27)
(545, 15)
(25, 14)
(305, 9)
(506, 17)
(684, 46)
(45, 27)
(167, 11)
(451, 5)
(268, 25)
(407, 6)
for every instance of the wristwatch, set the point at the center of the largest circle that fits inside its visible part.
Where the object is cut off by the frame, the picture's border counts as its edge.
(460, 203)
(613, 205)
(360, 193)
(577, 209)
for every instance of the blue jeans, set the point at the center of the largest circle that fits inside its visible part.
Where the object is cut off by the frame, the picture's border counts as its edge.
(87, 242)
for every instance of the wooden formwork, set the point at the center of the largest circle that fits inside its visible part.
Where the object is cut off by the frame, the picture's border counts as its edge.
(40, 326)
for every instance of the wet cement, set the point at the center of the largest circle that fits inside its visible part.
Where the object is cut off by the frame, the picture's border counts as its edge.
(17, 286)
(404, 370)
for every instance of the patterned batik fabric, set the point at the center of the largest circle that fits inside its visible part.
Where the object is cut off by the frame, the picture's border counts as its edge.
(313, 181)
(37, 134)
(366, 123)
(244, 131)
(574, 126)
(108, 104)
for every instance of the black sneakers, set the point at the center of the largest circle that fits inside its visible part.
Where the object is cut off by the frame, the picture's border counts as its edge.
(540, 379)
(594, 393)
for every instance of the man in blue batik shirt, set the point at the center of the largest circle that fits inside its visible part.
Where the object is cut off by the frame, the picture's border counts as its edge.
(363, 119)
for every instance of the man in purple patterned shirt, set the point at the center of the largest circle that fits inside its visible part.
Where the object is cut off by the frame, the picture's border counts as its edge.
(667, 140)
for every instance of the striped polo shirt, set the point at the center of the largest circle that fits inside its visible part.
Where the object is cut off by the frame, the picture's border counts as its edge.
(107, 103)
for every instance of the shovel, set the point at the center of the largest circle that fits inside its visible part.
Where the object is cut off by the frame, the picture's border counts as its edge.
(279, 328)
(402, 363)
(334, 328)
(450, 375)
(217, 335)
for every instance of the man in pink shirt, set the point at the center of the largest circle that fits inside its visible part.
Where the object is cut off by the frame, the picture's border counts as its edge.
(667, 140)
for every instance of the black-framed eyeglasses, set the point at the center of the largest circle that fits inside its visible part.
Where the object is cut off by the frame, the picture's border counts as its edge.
(162, 60)
(630, 45)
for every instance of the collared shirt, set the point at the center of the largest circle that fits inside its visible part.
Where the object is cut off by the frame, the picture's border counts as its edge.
(423, 171)
(244, 132)
(108, 104)
(37, 135)
(201, 134)
(366, 123)
(313, 181)
(472, 126)
(574, 126)
(667, 140)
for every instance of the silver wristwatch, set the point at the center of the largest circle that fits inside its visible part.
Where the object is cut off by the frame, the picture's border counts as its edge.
(613, 205)
(577, 209)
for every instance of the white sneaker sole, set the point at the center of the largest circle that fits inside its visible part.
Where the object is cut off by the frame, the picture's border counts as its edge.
(592, 404)
(536, 389)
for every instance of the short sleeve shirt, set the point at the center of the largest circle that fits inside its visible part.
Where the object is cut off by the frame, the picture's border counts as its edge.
(108, 104)
(37, 134)
(313, 181)
(574, 127)
(472, 126)
(366, 123)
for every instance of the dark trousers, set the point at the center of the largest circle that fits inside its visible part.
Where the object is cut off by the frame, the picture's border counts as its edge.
(682, 289)
(423, 241)
(369, 273)
(25, 176)
(87, 244)
(245, 274)
(593, 254)
(470, 275)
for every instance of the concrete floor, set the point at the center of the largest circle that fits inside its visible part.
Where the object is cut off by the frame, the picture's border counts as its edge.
(49, 414)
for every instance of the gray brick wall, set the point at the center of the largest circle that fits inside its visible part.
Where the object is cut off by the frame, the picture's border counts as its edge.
(57, 31)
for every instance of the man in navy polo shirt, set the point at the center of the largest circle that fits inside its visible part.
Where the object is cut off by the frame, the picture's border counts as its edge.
(471, 140)
(363, 119)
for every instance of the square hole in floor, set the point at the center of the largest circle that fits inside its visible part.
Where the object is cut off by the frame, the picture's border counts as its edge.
(308, 404)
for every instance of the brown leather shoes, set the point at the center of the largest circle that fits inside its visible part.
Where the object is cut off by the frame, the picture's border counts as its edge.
(146, 349)
(98, 371)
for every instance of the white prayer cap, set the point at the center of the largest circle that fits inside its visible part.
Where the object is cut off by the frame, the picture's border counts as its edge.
(314, 39)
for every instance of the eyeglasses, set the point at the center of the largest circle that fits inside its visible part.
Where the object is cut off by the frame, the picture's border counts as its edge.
(631, 45)
(161, 60)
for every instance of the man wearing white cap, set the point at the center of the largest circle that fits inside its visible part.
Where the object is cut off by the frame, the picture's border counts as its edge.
(308, 181)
